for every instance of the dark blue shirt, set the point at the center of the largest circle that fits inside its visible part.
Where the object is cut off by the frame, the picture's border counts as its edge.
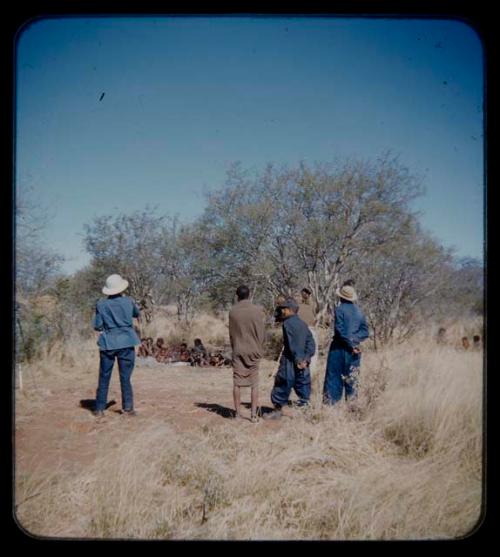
(350, 326)
(298, 341)
(113, 316)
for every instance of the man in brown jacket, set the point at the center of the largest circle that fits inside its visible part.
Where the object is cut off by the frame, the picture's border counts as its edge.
(247, 334)
(306, 313)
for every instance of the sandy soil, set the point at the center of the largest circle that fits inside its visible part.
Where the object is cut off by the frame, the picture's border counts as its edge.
(55, 426)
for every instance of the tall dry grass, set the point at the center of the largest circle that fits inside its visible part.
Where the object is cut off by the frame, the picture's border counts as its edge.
(405, 462)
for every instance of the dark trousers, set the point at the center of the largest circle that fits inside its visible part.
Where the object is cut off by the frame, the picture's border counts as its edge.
(342, 369)
(289, 377)
(126, 361)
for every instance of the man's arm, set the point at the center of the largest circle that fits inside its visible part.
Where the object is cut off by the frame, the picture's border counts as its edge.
(97, 322)
(363, 331)
(261, 328)
(310, 348)
(293, 340)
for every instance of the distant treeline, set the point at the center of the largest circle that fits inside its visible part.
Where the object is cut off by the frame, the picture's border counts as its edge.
(277, 230)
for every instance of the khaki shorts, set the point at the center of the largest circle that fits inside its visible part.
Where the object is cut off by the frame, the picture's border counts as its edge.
(245, 379)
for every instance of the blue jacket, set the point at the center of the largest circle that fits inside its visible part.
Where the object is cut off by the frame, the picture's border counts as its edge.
(298, 341)
(113, 316)
(350, 326)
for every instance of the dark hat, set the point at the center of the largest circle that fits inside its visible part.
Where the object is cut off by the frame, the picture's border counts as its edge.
(290, 303)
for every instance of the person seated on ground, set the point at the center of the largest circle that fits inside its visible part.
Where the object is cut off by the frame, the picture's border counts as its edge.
(441, 336)
(216, 359)
(160, 343)
(146, 348)
(142, 350)
(184, 355)
(476, 342)
(175, 353)
(213, 360)
(180, 353)
(199, 354)
(465, 343)
(163, 355)
(221, 360)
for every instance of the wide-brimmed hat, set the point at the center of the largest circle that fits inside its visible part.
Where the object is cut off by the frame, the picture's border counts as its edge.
(114, 285)
(347, 293)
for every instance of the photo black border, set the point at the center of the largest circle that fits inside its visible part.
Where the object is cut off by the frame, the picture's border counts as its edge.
(478, 15)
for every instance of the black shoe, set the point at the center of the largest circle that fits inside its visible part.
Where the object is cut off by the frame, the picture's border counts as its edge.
(98, 413)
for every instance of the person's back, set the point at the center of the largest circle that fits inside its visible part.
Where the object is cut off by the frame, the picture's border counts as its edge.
(344, 357)
(117, 340)
(349, 324)
(296, 329)
(115, 314)
(247, 335)
(246, 329)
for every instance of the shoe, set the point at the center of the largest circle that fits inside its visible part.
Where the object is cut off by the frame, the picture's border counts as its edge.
(275, 415)
(129, 412)
(254, 419)
(98, 413)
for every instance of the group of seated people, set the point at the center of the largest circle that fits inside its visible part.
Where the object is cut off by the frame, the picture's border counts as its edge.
(196, 356)
(465, 343)
(476, 343)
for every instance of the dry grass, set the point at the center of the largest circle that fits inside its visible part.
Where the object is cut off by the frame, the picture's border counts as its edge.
(405, 463)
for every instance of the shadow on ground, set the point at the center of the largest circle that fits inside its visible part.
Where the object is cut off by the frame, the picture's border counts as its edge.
(89, 404)
(226, 412)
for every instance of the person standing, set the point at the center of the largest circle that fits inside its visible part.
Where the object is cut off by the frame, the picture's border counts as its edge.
(293, 372)
(247, 335)
(306, 313)
(117, 339)
(344, 357)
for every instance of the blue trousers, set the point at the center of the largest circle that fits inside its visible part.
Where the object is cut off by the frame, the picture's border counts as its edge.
(289, 377)
(126, 361)
(342, 369)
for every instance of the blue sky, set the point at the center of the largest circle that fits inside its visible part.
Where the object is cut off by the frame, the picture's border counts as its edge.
(184, 97)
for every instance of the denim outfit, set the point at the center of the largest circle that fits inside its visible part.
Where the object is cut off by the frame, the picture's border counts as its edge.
(113, 318)
(299, 345)
(342, 367)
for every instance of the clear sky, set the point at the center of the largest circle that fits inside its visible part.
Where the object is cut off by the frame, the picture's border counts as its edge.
(186, 96)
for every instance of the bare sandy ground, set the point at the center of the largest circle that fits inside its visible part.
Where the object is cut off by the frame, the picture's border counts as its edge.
(55, 427)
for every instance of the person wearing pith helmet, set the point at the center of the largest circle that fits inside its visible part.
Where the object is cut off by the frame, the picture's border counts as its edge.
(114, 320)
(344, 357)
